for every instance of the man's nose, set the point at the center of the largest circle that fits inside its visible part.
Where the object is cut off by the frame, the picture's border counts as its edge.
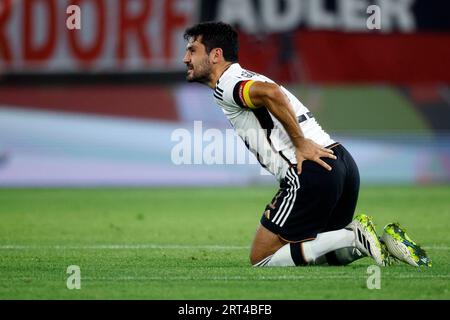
(186, 58)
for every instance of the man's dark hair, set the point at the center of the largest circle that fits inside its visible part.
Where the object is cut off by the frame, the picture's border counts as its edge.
(216, 35)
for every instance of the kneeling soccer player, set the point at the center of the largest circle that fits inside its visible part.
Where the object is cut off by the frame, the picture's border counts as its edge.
(309, 221)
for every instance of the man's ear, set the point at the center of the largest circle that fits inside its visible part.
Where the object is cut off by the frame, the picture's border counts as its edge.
(216, 55)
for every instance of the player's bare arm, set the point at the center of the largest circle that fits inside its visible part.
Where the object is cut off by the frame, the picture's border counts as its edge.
(272, 97)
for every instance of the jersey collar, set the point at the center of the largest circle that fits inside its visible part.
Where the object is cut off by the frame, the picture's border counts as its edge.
(229, 68)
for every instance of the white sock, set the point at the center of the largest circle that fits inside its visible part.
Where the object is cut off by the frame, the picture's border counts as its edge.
(281, 258)
(293, 254)
(340, 257)
(327, 242)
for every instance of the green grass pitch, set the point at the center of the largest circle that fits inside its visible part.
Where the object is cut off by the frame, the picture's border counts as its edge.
(193, 243)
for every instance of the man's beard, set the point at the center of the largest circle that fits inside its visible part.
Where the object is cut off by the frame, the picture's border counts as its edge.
(200, 79)
(203, 74)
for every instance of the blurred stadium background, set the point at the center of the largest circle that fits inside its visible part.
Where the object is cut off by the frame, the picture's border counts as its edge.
(105, 106)
(98, 106)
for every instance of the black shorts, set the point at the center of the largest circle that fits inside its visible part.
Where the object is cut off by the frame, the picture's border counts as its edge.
(315, 201)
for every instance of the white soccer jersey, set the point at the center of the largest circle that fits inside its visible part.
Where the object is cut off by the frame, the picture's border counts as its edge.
(261, 132)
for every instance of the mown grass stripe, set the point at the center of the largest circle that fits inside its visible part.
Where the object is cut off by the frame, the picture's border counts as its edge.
(146, 246)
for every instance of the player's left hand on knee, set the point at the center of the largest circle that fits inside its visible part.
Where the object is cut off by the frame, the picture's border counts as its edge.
(309, 150)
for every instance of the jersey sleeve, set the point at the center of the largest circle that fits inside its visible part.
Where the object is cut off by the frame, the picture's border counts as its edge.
(241, 94)
(236, 92)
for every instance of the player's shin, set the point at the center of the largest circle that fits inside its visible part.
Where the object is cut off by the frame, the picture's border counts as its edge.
(287, 256)
(310, 252)
(340, 257)
(325, 243)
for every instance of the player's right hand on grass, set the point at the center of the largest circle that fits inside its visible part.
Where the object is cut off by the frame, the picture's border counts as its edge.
(309, 150)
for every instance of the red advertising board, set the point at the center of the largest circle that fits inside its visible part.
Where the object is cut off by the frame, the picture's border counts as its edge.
(335, 41)
(115, 35)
